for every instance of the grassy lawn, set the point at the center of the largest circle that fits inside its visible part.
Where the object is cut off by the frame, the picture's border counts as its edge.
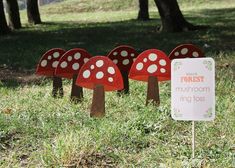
(37, 130)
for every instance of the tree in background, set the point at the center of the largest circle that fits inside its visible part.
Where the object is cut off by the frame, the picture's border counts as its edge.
(33, 12)
(4, 29)
(172, 18)
(13, 14)
(143, 10)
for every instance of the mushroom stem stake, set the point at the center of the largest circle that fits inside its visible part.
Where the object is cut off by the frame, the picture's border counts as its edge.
(125, 78)
(98, 104)
(153, 91)
(57, 90)
(76, 91)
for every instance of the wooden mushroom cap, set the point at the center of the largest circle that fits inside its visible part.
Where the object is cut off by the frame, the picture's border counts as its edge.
(123, 56)
(49, 62)
(71, 62)
(100, 70)
(151, 62)
(186, 51)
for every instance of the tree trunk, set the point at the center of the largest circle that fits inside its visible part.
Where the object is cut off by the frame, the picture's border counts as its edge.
(153, 91)
(125, 90)
(98, 102)
(57, 90)
(143, 10)
(171, 17)
(13, 14)
(76, 91)
(4, 29)
(33, 12)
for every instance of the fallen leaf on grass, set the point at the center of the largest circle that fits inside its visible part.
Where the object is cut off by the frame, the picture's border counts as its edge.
(226, 65)
(7, 111)
(232, 148)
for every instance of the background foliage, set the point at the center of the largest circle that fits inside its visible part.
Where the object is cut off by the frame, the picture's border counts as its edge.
(36, 129)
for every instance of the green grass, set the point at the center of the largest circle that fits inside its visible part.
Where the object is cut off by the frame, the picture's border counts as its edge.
(37, 130)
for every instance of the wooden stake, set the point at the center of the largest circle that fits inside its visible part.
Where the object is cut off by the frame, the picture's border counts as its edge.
(193, 139)
(125, 78)
(98, 102)
(76, 91)
(57, 90)
(153, 91)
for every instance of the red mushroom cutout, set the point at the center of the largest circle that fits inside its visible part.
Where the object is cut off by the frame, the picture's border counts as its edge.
(47, 66)
(123, 56)
(186, 51)
(69, 67)
(100, 74)
(152, 66)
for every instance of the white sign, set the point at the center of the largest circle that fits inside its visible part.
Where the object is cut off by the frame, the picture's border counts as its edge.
(193, 89)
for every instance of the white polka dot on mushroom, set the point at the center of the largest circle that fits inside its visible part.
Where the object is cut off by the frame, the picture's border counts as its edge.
(152, 68)
(49, 57)
(92, 67)
(162, 70)
(55, 64)
(176, 53)
(44, 63)
(125, 62)
(152, 57)
(56, 54)
(99, 75)
(195, 54)
(110, 79)
(124, 53)
(115, 53)
(77, 56)
(115, 61)
(111, 70)
(86, 60)
(132, 54)
(145, 60)
(86, 74)
(184, 51)
(134, 59)
(99, 63)
(75, 66)
(162, 62)
(139, 66)
(70, 58)
(63, 64)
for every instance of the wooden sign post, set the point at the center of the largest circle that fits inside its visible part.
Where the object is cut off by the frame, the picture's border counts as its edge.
(193, 91)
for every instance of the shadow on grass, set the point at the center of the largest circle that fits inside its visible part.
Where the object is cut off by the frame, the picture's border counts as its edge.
(9, 83)
(23, 48)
